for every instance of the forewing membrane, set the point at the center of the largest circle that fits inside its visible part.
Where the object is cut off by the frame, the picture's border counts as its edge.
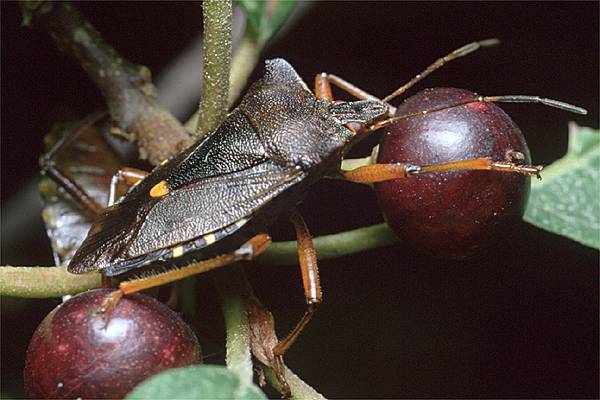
(208, 205)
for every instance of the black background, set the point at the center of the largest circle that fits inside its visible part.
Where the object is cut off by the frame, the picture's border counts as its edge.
(520, 322)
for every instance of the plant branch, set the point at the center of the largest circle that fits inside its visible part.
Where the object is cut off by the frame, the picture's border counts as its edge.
(232, 282)
(127, 88)
(55, 281)
(348, 164)
(238, 358)
(213, 109)
(332, 246)
(299, 388)
(244, 61)
(217, 64)
(43, 282)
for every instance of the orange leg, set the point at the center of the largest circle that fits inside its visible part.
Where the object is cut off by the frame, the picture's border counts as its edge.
(325, 79)
(249, 250)
(128, 176)
(323, 90)
(323, 87)
(310, 281)
(385, 172)
(323, 83)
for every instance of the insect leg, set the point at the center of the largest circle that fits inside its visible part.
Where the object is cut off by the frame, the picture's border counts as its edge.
(385, 172)
(90, 206)
(363, 95)
(129, 176)
(327, 79)
(246, 252)
(322, 87)
(49, 168)
(310, 280)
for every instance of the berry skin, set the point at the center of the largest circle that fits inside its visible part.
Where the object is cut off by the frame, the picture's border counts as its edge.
(453, 214)
(74, 353)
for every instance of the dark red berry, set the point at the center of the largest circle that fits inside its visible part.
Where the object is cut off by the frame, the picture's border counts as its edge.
(75, 353)
(452, 214)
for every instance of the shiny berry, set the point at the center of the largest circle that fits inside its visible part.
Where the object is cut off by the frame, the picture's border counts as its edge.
(453, 214)
(79, 352)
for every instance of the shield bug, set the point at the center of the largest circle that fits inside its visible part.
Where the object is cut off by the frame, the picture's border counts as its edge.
(215, 201)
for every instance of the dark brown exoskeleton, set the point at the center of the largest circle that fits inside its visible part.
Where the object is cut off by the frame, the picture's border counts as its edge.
(214, 201)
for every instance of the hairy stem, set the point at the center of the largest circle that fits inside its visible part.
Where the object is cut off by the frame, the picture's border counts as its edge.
(298, 387)
(217, 64)
(348, 164)
(232, 282)
(238, 358)
(332, 246)
(27, 281)
(43, 282)
(243, 63)
(213, 109)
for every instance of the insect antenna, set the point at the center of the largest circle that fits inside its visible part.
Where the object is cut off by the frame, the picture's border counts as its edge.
(535, 99)
(440, 62)
(486, 99)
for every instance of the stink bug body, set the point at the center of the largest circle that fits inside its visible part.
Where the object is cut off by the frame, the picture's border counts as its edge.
(215, 200)
(280, 139)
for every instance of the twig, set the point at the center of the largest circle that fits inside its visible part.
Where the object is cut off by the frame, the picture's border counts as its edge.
(300, 389)
(28, 282)
(231, 284)
(126, 87)
(217, 64)
(213, 109)
(243, 63)
(43, 282)
(332, 246)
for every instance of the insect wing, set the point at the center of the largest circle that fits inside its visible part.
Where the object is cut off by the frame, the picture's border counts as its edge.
(209, 205)
(136, 233)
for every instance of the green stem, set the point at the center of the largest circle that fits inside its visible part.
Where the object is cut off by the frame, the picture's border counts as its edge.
(217, 64)
(332, 246)
(238, 357)
(299, 388)
(42, 282)
(56, 281)
(213, 109)
(243, 63)
(348, 164)
(188, 297)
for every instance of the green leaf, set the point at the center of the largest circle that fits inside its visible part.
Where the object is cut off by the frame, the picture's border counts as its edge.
(567, 200)
(264, 17)
(195, 382)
